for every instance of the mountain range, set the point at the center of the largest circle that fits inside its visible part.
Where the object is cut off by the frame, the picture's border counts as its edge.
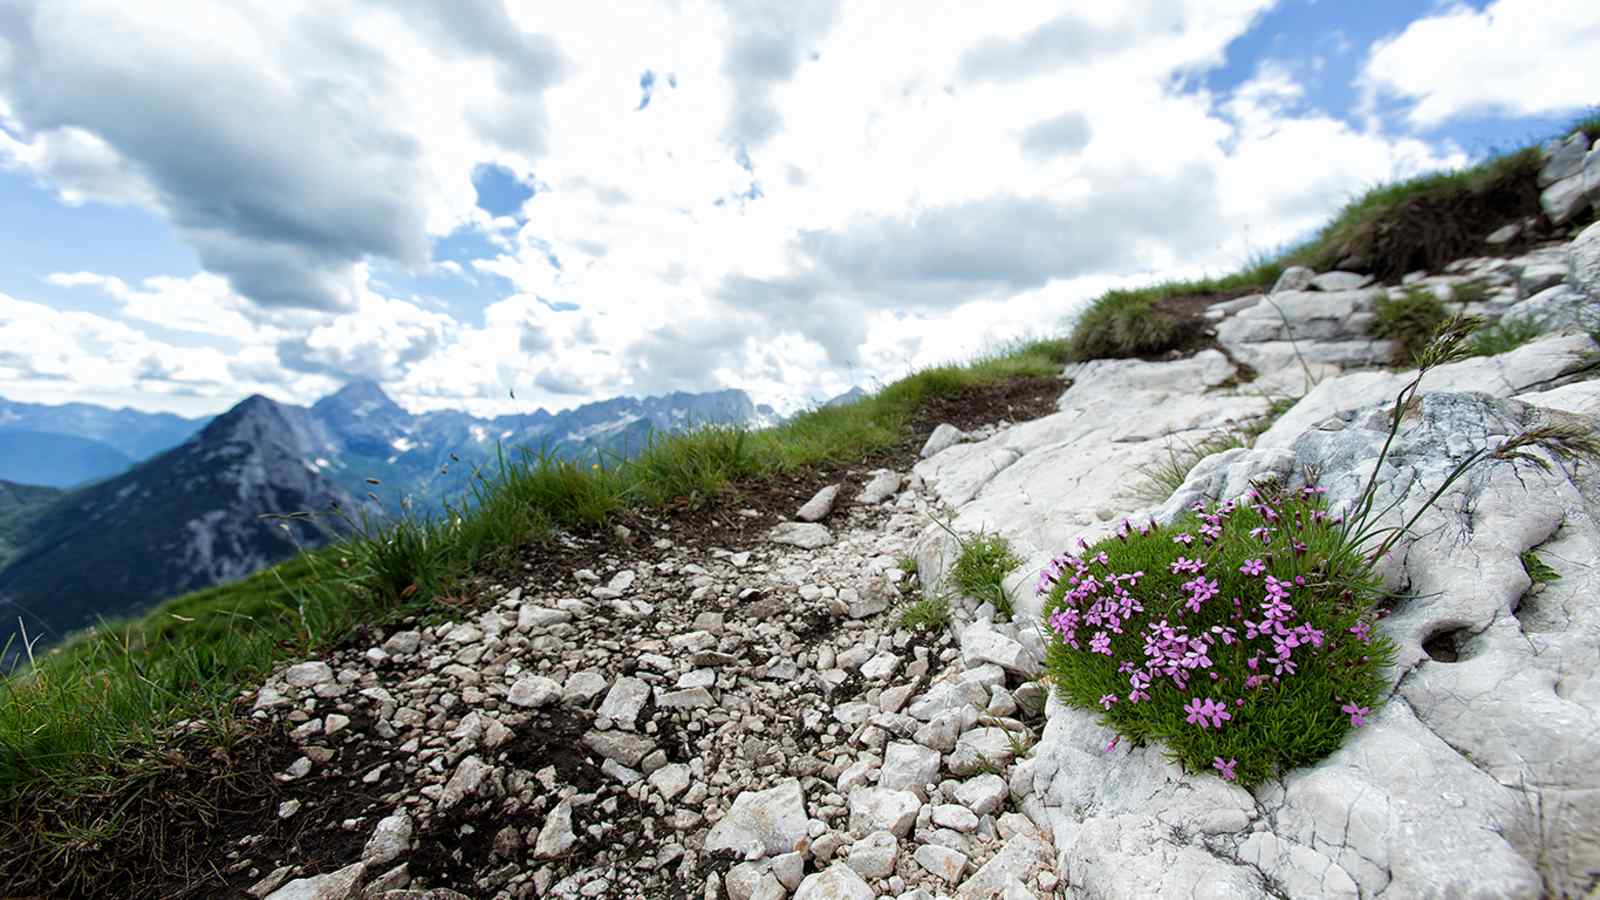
(216, 506)
(75, 443)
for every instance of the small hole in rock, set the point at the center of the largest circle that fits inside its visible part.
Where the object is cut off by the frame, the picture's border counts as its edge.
(1445, 646)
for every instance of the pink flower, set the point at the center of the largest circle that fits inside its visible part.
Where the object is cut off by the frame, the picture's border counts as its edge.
(1253, 567)
(1357, 714)
(1107, 700)
(1184, 538)
(1225, 769)
(1207, 713)
(1100, 643)
(1362, 631)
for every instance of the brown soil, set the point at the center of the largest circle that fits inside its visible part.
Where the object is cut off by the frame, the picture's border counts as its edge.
(191, 805)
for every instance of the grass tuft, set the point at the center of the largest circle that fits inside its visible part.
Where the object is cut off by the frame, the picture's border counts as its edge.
(981, 568)
(1412, 319)
(1537, 570)
(1502, 337)
(927, 614)
(1167, 475)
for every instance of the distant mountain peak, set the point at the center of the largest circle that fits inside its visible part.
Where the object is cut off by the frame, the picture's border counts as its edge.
(359, 399)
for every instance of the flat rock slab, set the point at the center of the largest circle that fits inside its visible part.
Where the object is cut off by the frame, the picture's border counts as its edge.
(805, 535)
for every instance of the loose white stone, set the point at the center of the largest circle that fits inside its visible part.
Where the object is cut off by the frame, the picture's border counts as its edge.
(942, 862)
(556, 836)
(389, 841)
(308, 674)
(908, 766)
(532, 691)
(767, 822)
(806, 535)
(817, 508)
(837, 882)
(873, 856)
(883, 809)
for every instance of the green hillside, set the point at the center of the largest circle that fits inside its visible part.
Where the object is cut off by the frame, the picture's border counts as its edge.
(20, 506)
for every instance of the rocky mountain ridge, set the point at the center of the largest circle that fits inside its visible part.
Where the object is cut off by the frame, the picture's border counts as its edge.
(189, 518)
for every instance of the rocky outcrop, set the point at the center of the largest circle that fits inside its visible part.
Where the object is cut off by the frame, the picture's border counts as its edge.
(1477, 777)
(1570, 179)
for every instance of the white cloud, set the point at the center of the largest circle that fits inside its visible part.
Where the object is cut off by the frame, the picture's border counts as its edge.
(1515, 57)
(909, 194)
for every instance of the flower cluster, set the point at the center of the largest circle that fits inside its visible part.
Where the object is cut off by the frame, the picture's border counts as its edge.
(1237, 599)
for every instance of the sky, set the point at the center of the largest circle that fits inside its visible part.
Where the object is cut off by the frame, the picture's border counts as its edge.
(497, 205)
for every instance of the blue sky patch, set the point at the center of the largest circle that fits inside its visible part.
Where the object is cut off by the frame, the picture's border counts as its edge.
(647, 81)
(500, 192)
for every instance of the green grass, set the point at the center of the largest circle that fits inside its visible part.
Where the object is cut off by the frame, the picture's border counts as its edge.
(1128, 323)
(1167, 475)
(1162, 478)
(1389, 229)
(927, 614)
(981, 568)
(109, 693)
(1412, 319)
(1502, 337)
(1536, 568)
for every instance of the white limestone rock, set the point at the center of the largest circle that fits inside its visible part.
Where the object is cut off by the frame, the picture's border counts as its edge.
(1017, 859)
(1302, 316)
(308, 674)
(1563, 158)
(1340, 281)
(1469, 782)
(805, 535)
(340, 885)
(873, 856)
(909, 767)
(942, 862)
(1563, 200)
(883, 809)
(532, 691)
(389, 841)
(981, 644)
(556, 836)
(1542, 363)
(883, 485)
(625, 700)
(1584, 252)
(1294, 278)
(821, 503)
(837, 882)
(766, 823)
(467, 781)
(982, 794)
(981, 747)
(944, 436)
